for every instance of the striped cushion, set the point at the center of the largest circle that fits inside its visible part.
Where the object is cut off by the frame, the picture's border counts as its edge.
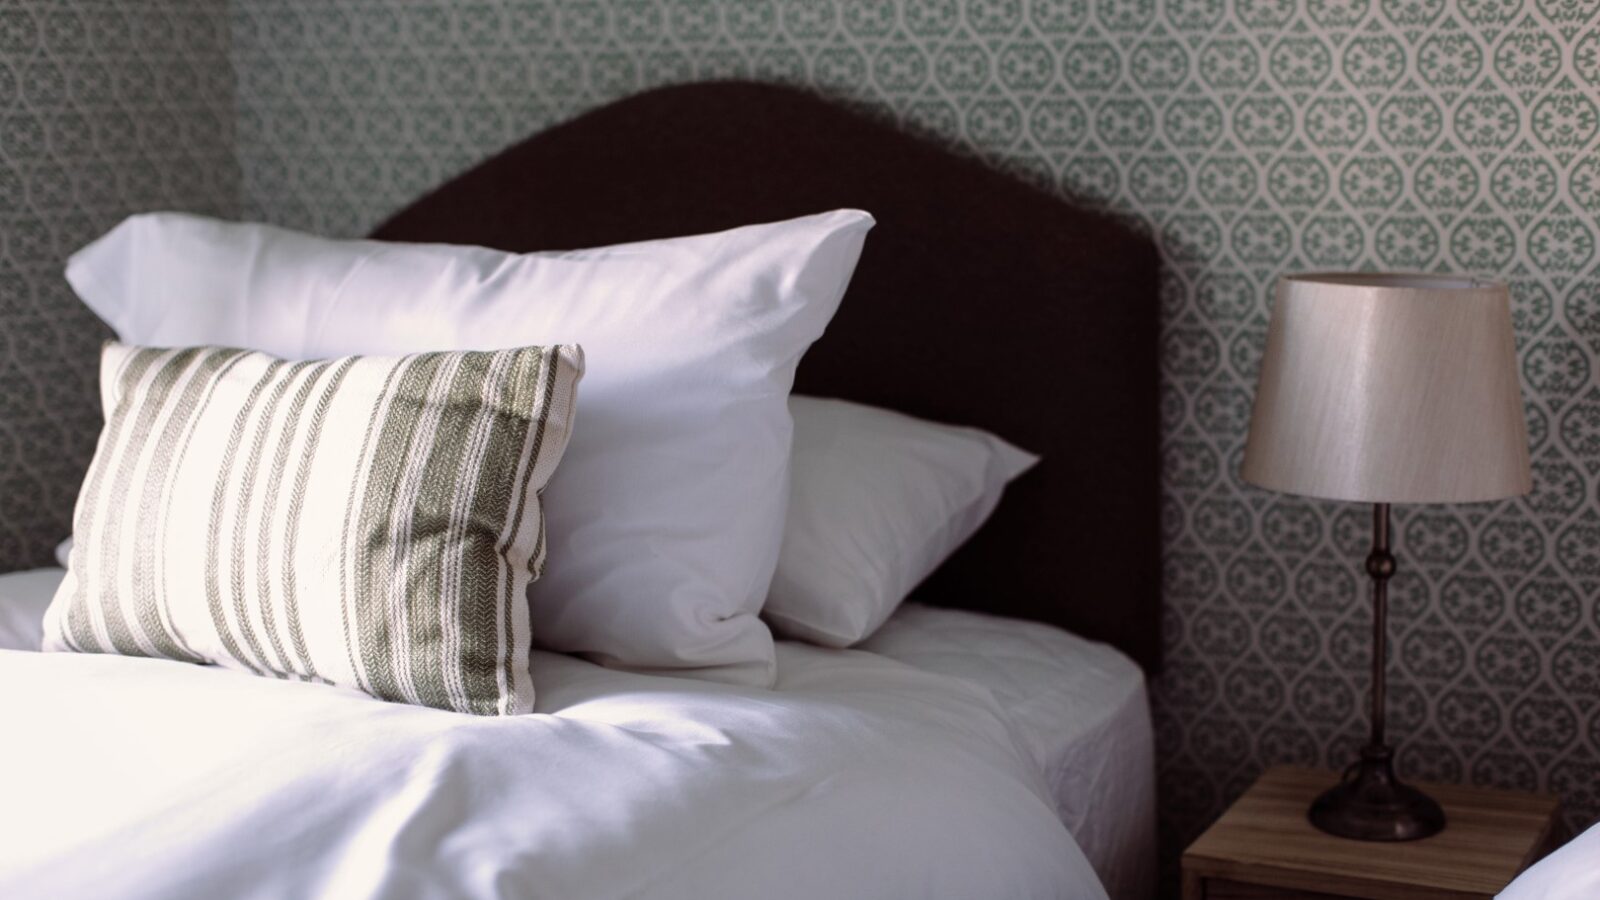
(369, 522)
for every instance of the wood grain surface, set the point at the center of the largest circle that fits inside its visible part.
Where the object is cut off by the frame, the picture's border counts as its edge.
(1265, 841)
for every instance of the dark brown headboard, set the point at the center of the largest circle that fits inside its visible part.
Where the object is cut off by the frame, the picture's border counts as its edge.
(979, 300)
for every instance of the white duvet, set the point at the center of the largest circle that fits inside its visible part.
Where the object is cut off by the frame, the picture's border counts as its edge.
(856, 777)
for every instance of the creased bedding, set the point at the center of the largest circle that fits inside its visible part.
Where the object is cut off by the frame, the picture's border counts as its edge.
(1078, 706)
(858, 776)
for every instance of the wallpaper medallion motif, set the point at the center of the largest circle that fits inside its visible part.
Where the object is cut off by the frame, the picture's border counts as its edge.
(105, 109)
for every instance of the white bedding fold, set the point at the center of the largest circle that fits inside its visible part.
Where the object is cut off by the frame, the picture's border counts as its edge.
(1078, 706)
(856, 777)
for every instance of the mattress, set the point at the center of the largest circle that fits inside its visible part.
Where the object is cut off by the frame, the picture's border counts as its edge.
(1079, 707)
(1075, 708)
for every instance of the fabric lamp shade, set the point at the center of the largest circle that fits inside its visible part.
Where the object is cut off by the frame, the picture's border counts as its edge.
(1388, 388)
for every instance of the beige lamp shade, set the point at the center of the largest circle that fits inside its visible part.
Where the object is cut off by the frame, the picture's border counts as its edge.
(1389, 389)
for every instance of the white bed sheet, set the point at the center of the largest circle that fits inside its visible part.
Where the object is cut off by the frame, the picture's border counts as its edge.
(1078, 706)
(1571, 872)
(913, 784)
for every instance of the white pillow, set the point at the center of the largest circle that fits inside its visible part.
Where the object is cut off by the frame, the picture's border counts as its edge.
(665, 517)
(877, 501)
(24, 597)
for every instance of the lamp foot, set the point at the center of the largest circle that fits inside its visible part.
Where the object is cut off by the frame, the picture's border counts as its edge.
(1370, 804)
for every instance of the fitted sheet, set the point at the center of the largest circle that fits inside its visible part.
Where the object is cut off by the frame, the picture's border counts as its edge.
(1079, 707)
(858, 775)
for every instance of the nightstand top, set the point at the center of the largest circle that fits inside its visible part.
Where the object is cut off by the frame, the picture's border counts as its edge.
(1265, 838)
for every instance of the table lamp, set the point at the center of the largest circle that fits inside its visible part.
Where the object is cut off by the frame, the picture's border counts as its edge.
(1387, 388)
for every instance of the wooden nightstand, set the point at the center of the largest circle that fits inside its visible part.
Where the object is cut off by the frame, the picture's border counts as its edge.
(1264, 847)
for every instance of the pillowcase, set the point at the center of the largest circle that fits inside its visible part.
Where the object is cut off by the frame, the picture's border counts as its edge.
(666, 516)
(878, 500)
(368, 522)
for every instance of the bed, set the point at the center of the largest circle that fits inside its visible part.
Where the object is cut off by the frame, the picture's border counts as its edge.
(1078, 710)
(993, 739)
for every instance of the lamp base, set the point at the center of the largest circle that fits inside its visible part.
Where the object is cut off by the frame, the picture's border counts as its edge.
(1370, 804)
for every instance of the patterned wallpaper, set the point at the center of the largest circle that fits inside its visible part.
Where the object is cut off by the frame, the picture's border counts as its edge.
(105, 109)
(1252, 136)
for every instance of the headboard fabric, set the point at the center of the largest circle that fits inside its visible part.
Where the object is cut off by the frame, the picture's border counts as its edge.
(979, 300)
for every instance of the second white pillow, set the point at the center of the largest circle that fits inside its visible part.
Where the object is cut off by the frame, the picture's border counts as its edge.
(877, 501)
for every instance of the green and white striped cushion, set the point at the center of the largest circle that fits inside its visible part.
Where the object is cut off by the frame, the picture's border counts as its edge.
(370, 522)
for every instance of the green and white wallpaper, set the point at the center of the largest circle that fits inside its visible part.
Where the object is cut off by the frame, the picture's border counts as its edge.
(1253, 137)
(105, 109)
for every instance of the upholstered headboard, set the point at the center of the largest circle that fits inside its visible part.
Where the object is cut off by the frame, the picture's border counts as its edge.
(979, 300)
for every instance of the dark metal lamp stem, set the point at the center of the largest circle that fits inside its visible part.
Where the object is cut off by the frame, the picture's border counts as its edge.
(1369, 803)
(1380, 568)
